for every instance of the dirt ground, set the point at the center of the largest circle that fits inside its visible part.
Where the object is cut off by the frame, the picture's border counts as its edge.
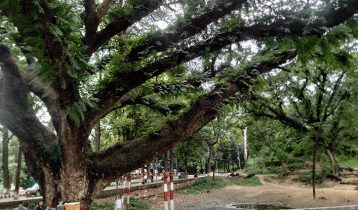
(273, 191)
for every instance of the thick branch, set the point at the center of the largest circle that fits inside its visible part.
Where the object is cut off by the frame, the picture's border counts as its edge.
(131, 79)
(131, 155)
(17, 114)
(122, 23)
(102, 10)
(185, 29)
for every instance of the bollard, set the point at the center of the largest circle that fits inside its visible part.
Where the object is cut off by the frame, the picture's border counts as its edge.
(171, 191)
(165, 176)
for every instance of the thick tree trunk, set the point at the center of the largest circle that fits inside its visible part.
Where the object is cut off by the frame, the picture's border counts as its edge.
(97, 137)
(335, 167)
(18, 170)
(5, 161)
(208, 170)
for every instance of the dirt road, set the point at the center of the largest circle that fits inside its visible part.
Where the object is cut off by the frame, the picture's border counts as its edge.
(288, 193)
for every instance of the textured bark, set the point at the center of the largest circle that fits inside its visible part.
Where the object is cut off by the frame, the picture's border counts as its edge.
(208, 167)
(97, 137)
(5, 161)
(166, 162)
(171, 161)
(13, 178)
(18, 170)
(336, 169)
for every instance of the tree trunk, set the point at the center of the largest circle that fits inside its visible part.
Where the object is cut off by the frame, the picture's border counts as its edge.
(335, 167)
(13, 178)
(314, 171)
(97, 137)
(166, 162)
(208, 169)
(18, 170)
(5, 160)
(171, 159)
(215, 164)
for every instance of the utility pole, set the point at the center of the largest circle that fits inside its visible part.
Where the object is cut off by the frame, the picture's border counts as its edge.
(245, 147)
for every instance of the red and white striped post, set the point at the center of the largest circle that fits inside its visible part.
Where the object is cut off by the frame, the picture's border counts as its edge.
(165, 176)
(129, 190)
(124, 186)
(171, 191)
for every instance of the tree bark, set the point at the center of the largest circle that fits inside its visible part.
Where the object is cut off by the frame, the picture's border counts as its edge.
(314, 170)
(171, 160)
(18, 171)
(5, 161)
(208, 169)
(97, 137)
(216, 161)
(336, 169)
(166, 162)
(13, 179)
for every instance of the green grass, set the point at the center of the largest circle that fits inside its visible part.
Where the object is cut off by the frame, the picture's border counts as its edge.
(324, 186)
(107, 205)
(202, 185)
(268, 180)
(252, 181)
(275, 170)
(353, 181)
(352, 162)
(295, 166)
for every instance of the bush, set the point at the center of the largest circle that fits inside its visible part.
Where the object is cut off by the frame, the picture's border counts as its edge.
(308, 177)
(295, 166)
(201, 185)
(254, 170)
(275, 170)
(252, 181)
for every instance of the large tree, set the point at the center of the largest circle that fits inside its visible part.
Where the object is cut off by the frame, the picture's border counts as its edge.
(56, 49)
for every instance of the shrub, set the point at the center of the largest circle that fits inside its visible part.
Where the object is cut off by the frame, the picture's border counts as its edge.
(275, 170)
(252, 181)
(201, 185)
(295, 166)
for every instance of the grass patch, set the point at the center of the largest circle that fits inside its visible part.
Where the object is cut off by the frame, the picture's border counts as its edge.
(324, 186)
(295, 166)
(268, 180)
(275, 170)
(107, 205)
(202, 185)
(352, 162)
(283, 179)
(353, 181)
(308, 176)
(252, 181)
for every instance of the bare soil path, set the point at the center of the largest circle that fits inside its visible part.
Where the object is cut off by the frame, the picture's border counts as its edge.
(287, 193)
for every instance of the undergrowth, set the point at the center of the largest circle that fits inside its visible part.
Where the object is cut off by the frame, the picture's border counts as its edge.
(107, 205)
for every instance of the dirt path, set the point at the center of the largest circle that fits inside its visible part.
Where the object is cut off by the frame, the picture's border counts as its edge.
(290, 194)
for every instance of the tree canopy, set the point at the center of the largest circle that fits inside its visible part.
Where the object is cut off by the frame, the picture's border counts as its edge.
(85, 59)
